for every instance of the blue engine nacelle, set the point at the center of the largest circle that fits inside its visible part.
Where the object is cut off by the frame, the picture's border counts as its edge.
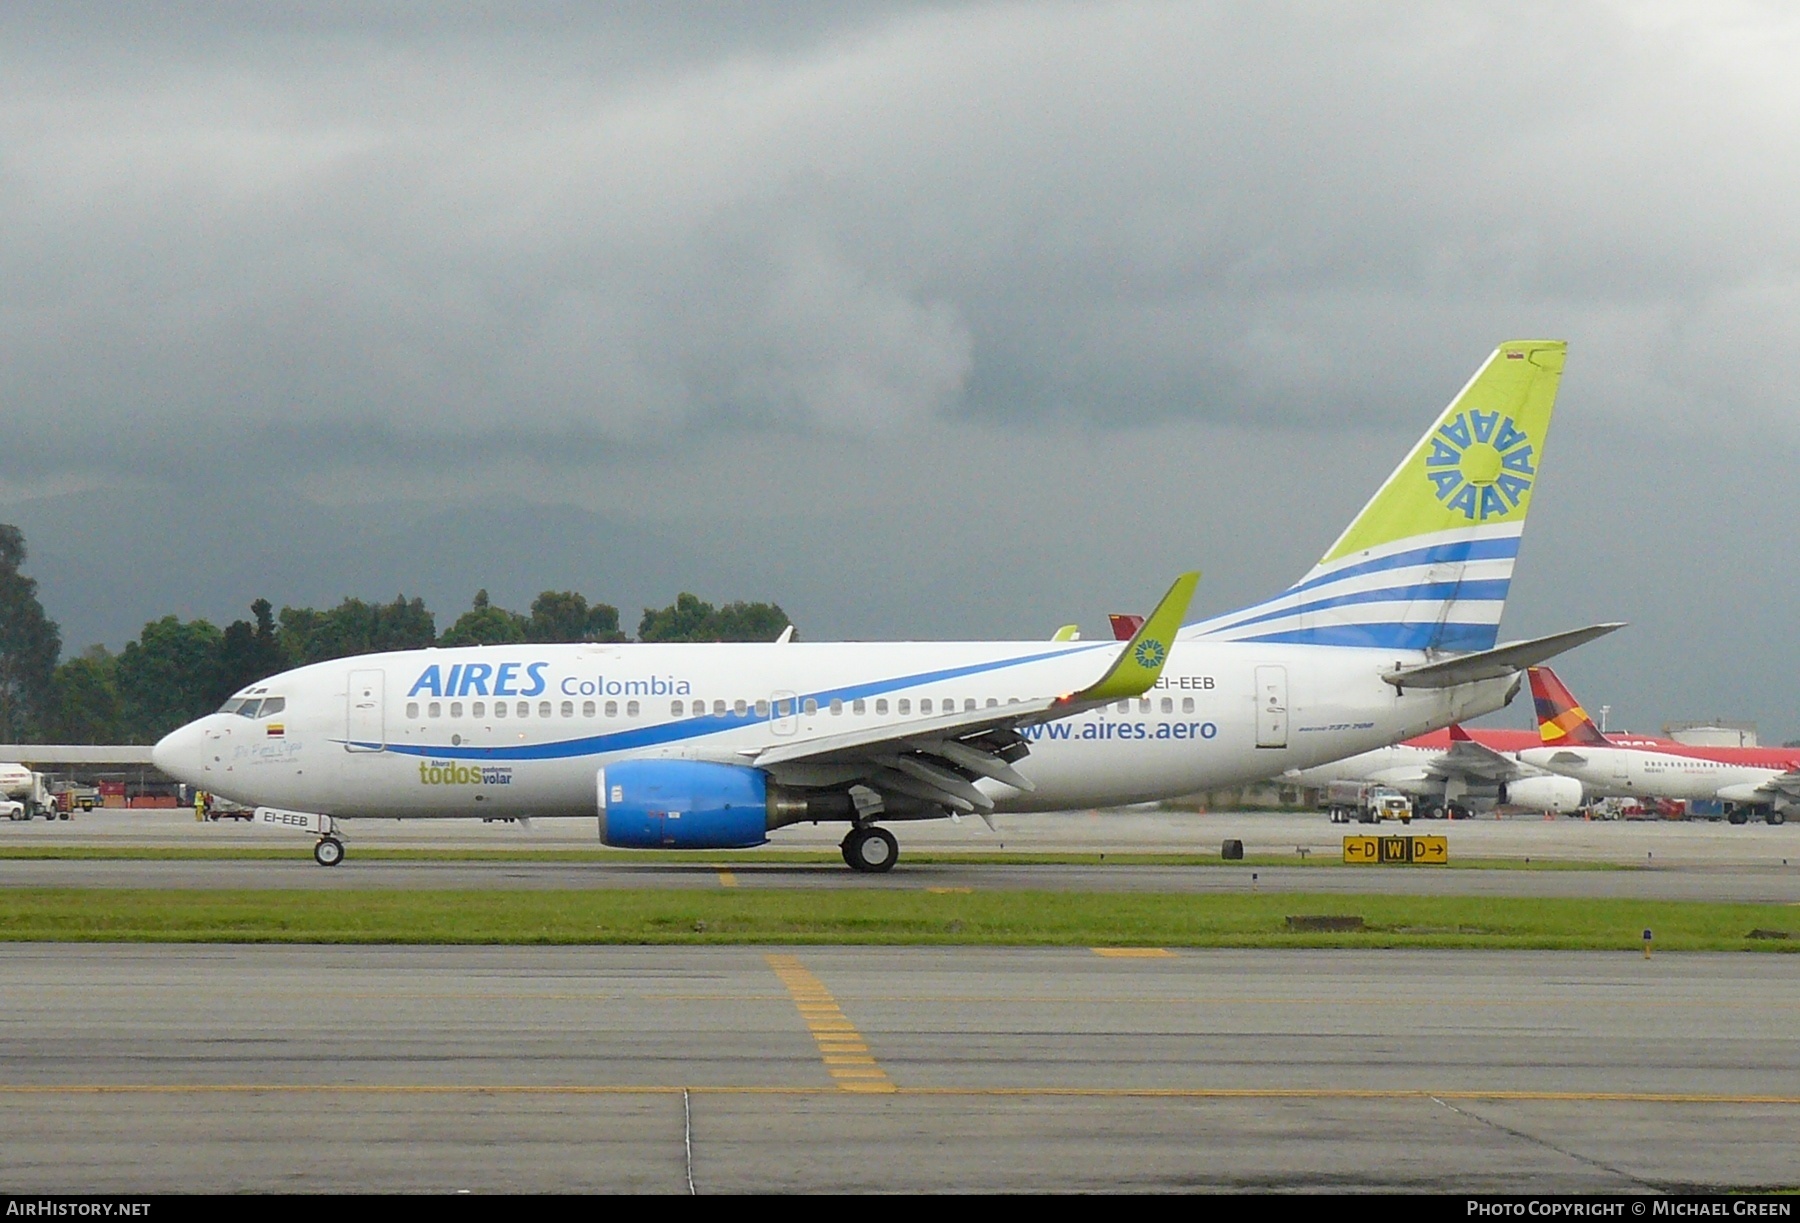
(683, 804)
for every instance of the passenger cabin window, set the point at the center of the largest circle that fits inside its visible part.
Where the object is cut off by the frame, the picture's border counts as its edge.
(587, 709)
(857, 707)
(631, 709)
(1123, 707)
(903, 706)
(1168, 704)
(925, 705)
(456, 709)
(612, 709)
(568, 709)
(718, 709)
(499, 709)
(992, 703)
(675, 709)
(762, 709)
(811, 707)
(434, 710)
(1187, 704)
(412, 711)
(739, 708)
(881, 706)
(478, 709)
(837, 706)
(524, 709)
(699, 709)
(968, 704)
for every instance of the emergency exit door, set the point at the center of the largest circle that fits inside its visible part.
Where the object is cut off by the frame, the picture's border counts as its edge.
(1271, 707)
(364, 727)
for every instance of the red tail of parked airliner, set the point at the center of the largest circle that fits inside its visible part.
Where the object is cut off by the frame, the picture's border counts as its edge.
(1562, 722)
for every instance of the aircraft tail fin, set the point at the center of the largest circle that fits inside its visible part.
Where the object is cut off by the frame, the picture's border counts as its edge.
(1562, 722)
(1427, 563)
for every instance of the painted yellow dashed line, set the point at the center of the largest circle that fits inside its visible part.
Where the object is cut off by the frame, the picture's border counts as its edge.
(727, 879)
(841, 1047)
(1134, 953)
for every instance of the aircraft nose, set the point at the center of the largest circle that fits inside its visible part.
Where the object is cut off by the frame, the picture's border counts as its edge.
(177, 753)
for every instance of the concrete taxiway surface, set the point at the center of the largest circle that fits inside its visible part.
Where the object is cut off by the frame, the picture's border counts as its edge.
(140, 1069)
(1131, 830)
(1669, 861)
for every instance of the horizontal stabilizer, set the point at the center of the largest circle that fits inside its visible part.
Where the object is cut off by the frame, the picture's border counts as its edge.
(1498, 662)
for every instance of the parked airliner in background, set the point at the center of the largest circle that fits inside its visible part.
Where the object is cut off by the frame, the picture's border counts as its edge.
(1754, 780)
(1454, 773)
(1393, 633)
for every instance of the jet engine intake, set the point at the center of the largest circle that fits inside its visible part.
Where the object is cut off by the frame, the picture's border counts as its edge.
(1559, 794)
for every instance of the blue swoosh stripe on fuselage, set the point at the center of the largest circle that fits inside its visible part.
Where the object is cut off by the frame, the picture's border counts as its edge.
(1430, 636)
(1484, 591)
(694, 728)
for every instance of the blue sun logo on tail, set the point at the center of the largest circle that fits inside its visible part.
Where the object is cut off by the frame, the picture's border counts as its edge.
(1150, 653)
(1481, 464)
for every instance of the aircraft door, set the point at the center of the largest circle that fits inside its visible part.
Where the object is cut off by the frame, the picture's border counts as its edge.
(1271, 707)
(364, 727)
(784, 713)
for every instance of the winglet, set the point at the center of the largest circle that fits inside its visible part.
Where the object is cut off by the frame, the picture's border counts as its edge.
(1068, 632)
(1140, 663)
(1459, 735)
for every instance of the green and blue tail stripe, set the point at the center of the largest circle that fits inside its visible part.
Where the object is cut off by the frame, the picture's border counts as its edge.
(1428, 562)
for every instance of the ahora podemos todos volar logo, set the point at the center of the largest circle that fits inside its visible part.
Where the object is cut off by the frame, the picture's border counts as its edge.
(455, 773)
(1481, 464)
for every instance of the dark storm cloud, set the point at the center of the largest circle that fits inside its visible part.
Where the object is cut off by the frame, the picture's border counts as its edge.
(914, 317)
(562, 230)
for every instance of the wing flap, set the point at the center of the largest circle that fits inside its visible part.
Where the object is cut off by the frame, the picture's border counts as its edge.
(939, 759)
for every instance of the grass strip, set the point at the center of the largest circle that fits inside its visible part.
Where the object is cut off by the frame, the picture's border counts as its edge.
(739, 860)
(886, 916)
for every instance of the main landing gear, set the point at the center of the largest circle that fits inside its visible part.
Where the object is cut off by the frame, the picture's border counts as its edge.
(871, 850)
(329, 851)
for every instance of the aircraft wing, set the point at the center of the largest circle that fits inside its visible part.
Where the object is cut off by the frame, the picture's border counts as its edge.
(1497, 662)
(1784, 785)
(1468, 759)
(938, 759)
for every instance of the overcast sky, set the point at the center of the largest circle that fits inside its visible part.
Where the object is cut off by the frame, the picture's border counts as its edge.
(919, 319)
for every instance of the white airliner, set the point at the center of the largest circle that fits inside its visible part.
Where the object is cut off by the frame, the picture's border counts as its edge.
(1752, 779)
(713, 746)
(1454, 773)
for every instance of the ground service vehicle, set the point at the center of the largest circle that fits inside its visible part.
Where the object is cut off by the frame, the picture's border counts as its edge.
(1366, 803)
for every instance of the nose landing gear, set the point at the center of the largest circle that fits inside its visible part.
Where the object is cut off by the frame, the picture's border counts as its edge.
(329, 851)
(871, 850)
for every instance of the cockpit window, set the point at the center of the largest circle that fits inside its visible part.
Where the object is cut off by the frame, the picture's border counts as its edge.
(248, 709)
(231, 706)
(274, 704)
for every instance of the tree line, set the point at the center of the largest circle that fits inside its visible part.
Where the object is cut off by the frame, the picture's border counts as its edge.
(178, 670)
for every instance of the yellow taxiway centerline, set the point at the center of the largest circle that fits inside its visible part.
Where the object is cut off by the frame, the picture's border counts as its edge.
(831, 1029)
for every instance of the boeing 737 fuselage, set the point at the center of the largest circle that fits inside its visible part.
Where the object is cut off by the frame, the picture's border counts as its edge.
(1392, 634)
